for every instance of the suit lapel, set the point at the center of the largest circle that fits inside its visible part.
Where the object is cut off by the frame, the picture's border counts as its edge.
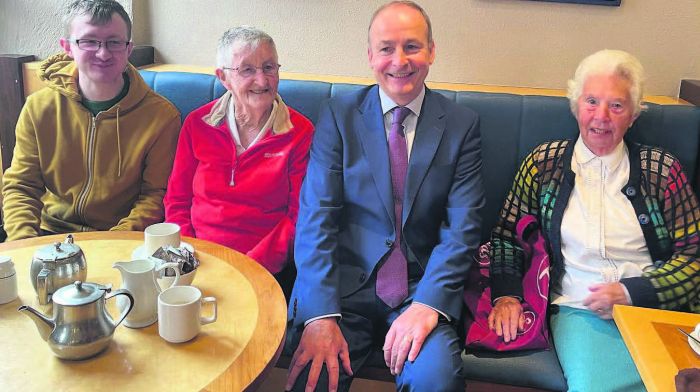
(429, 131)
(373, 138)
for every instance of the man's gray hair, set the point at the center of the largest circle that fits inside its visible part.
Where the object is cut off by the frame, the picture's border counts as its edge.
(609, 62)
(100, 12)
(245, 35)
(407, 3)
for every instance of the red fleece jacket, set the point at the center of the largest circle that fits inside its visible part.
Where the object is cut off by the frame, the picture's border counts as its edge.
(247, 202)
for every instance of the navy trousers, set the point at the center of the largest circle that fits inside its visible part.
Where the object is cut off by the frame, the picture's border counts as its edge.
(365, 322)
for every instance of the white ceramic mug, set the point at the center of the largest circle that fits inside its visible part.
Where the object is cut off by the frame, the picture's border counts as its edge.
(161, 234)
(179, 313)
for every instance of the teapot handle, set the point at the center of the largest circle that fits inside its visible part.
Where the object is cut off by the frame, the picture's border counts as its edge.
(131, 303)
(43, 280)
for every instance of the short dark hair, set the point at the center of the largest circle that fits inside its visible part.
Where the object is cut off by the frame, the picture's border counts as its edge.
(407, 3)
(100, 11)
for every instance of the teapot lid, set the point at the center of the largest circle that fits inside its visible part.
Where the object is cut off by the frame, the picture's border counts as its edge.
(79, 293)
(58, 250)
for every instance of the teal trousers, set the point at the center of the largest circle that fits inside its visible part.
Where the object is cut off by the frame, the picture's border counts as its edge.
(592, 353)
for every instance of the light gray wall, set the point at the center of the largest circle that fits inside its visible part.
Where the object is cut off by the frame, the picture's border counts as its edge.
(498, 42)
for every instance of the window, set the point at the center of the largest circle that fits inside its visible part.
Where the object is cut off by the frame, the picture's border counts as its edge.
(613, 3)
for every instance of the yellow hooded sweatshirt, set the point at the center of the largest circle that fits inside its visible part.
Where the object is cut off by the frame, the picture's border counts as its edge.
(74, 172)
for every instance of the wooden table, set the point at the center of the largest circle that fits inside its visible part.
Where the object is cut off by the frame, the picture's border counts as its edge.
(232, 354)
(657, 348)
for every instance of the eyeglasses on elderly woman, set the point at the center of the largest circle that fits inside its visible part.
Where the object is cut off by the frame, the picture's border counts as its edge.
(247, 71)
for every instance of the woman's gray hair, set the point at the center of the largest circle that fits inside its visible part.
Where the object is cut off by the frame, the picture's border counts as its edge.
(609, 62)
(246, 35)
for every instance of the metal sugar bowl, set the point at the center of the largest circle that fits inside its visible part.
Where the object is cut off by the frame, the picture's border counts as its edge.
(56, 265)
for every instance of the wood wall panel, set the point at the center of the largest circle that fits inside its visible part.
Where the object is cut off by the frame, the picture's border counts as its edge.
(11, 101)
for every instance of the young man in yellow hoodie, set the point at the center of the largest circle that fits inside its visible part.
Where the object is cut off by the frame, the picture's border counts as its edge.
(95, 147)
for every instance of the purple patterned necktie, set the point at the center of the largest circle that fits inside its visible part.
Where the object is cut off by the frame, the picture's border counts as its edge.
(392, 276)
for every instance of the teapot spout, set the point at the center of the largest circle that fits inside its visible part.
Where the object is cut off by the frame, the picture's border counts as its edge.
(43, 324)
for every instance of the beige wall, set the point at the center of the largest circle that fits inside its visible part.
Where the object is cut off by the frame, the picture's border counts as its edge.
(499, 42)
(34, 26)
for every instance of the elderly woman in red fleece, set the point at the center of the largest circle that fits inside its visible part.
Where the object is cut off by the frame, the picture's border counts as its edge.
(241, 159)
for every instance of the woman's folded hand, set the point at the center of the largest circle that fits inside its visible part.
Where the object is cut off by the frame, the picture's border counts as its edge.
(506, 318)
(604, 296)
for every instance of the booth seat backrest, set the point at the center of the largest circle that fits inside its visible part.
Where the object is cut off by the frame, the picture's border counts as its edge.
(511, 125)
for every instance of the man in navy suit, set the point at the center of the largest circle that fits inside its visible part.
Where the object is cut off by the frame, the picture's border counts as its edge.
(371, 167)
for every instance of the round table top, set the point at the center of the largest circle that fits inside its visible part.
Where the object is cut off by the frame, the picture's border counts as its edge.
(232, 354)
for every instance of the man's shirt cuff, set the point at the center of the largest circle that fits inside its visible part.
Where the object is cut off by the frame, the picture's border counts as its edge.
(338, 315)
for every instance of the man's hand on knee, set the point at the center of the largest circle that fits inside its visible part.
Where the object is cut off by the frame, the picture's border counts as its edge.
(321, 342)
(407, 335)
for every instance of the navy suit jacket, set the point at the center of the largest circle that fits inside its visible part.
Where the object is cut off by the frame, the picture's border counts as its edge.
(346, 213)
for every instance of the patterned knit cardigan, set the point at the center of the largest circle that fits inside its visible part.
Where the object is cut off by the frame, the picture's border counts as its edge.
(663, 200)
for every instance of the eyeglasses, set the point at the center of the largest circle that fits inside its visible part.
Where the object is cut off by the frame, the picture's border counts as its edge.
(247, 71)
(93, 45)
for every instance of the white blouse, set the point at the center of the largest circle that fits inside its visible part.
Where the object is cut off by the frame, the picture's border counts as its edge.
(602, 241)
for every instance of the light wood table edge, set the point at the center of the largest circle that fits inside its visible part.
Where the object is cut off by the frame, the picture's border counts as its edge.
(624, 328)
(629, 321)
(517, 90)
(266, 289)
(268, 315)
(32, 82)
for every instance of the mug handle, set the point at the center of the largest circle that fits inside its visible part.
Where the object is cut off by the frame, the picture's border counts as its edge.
(131, 303)
(163, 266)
(208, 320)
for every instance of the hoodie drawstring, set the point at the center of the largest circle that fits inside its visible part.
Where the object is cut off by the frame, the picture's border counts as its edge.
(119, 148)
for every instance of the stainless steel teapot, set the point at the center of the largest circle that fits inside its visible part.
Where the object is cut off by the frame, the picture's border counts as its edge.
(57, 265)
(81, 326)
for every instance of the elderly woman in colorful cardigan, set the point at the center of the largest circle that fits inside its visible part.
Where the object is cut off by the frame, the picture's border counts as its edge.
(620, 221)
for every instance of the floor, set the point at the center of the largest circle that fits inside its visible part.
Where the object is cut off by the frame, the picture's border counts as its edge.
(275, 382)
(277, 377)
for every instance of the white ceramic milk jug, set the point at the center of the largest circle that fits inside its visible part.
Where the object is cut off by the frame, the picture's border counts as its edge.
(139, 277)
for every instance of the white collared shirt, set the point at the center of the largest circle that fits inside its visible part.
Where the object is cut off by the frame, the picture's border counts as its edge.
(602, 241)
(409, 123)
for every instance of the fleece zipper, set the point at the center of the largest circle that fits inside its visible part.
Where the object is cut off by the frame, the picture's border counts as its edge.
(241, 159)
(82, 197)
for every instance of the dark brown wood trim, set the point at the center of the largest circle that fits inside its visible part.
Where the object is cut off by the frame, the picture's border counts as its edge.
(690, 91)
(142, 55)
(11, 101)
